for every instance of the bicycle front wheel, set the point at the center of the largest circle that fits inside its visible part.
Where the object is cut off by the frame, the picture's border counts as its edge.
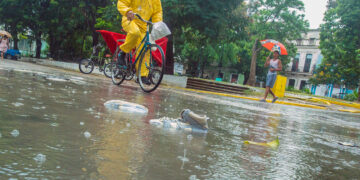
(86, 66)
(151, 69)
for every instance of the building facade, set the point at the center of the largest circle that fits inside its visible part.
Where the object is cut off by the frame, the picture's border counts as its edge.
(302, 66)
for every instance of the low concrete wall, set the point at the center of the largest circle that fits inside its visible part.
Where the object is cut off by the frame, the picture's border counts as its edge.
(171, 80)
(178, 81)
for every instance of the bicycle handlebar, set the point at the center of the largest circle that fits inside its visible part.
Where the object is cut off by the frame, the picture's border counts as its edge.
(139, 17)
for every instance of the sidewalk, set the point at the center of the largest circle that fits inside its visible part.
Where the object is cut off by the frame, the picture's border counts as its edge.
(170, 80)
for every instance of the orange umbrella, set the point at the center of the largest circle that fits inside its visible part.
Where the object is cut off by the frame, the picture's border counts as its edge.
(5, 33)
(273, 45)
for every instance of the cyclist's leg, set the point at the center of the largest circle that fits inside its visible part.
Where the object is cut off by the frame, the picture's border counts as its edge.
(144, 70)
(133, 36)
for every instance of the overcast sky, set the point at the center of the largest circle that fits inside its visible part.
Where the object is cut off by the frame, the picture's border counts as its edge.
(314, 12)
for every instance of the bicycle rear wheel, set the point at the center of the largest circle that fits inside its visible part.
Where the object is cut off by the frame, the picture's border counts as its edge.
(107, 69)
(154, 69)
(86, 66)
(117, 72)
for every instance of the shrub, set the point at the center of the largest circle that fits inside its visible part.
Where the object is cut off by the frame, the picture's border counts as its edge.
(352, 97)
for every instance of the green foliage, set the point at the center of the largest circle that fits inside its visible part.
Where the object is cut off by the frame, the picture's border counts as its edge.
(352, 97)
(206, 32)
(340, 42)
(273, 19)
(200, 27)
(306, 90)
(292, 89)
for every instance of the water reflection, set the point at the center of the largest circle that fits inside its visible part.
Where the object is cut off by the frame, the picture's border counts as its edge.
(65, 132)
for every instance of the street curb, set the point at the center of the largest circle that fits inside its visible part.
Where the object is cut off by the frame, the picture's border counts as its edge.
(255, 99)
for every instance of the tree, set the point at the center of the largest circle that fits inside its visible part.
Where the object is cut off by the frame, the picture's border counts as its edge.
(199, 27)
(274, 19)
(340, 45)
(10, 15)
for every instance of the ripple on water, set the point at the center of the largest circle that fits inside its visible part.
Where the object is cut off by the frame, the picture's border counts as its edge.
(193, 177)
(78, 82)
(56, 79)
(54, 124)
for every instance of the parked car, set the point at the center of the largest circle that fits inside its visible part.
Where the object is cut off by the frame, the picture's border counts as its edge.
(12, 54)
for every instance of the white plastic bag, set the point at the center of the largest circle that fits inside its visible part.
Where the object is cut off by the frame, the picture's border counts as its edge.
(159, 31)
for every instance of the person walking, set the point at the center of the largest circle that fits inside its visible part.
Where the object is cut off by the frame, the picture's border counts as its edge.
(275, 65)
(4, 45)
(135, 28)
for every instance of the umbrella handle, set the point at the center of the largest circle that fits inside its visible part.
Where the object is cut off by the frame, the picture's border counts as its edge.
(270, 53)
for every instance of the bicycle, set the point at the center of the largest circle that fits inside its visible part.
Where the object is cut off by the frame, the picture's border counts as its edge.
(155, 66)
(87, 66)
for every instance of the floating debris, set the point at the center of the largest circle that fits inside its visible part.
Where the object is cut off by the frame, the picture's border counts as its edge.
(126, 106)
(40, 158)
(273, 144)
(82, 123)
(87, 134)
(15, 133)
(348, 144)
(189, 122)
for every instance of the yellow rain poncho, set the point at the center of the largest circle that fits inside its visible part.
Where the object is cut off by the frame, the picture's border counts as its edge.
(136, 29)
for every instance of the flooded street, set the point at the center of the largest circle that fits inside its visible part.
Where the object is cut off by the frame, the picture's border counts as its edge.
(54, 125)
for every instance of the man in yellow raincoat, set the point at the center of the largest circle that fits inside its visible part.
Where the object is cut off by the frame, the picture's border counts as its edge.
(135, 28)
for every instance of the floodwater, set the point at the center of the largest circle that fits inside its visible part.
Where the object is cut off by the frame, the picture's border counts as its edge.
(55, 126)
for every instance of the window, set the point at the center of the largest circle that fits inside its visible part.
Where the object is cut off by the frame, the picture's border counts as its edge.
(307, 62)
(295, 64)
(291, 83)
(299, 42)
(221, 75)
(302, 85)
(312, 41)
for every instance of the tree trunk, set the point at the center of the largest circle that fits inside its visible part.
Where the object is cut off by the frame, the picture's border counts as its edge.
(14, 34)
(359, 94)
(38, 44)
(251, 81)
(202, 67)
(169, 56)
(246, 77)
(193, 68)
(95, 35)
(52, 45)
